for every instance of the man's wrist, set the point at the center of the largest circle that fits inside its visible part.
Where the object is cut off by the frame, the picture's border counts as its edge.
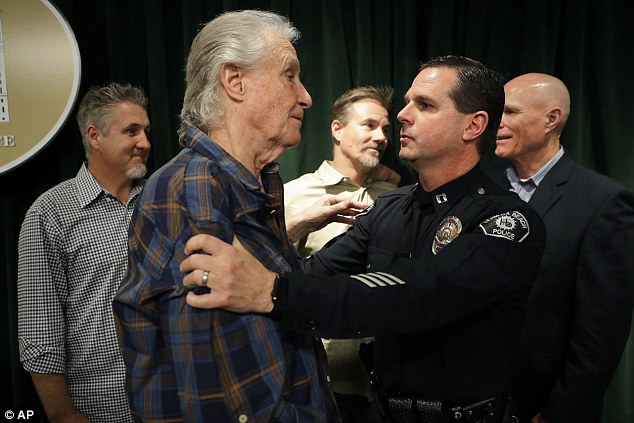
(294, 229)
(279, 295)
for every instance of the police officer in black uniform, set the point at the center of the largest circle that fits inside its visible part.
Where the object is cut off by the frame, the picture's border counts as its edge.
(439, 271)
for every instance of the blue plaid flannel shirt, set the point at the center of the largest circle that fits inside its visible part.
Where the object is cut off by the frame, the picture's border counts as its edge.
(193, 365)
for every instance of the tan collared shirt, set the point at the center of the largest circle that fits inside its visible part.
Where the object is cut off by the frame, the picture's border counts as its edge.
(347, 374)
(302, 192)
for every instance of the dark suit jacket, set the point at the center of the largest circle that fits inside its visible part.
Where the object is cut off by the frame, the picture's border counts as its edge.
(580, 308)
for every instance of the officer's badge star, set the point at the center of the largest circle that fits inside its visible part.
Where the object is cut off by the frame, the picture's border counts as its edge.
(448, 230)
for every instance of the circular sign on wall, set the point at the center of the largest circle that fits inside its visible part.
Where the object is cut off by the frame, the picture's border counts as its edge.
(40, 72)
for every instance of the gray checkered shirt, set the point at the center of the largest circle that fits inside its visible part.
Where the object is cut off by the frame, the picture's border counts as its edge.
(72, 258)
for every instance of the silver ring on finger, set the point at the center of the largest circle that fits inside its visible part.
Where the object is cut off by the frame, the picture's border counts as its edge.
(205, 278)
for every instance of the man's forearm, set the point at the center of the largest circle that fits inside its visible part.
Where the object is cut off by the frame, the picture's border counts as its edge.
(296, 228)
(55, 397)
(328, 209)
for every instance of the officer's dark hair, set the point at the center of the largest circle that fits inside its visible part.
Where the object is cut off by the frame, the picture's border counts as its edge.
(477, 88)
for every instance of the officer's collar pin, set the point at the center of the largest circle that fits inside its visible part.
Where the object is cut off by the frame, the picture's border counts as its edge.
(441, 198)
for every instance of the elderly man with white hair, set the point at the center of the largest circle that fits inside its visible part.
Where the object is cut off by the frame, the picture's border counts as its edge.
(244, 104)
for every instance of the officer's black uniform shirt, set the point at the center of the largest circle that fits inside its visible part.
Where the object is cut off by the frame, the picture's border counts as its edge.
(441, 278)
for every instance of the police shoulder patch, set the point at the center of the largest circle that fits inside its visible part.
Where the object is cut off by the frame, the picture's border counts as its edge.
(511, 225)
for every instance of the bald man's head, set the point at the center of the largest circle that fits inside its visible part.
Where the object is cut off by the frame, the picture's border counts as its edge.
(544, 90)
(536, 110)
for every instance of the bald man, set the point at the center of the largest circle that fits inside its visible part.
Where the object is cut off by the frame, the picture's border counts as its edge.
(580, 308)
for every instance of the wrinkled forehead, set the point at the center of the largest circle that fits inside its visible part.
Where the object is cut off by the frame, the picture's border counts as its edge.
(283, 52)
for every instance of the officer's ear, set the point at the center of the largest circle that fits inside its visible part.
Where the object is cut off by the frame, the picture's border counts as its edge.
(475, 126)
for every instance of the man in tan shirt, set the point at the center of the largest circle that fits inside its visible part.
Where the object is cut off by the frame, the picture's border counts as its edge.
(359, 127)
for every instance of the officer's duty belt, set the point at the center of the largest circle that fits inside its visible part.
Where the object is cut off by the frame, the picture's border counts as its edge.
(413, 410)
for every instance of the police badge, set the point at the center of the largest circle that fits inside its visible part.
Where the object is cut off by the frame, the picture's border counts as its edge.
(448, 230)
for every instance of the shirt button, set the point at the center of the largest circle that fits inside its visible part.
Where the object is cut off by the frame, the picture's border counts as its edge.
(481, 191)
(243, 418)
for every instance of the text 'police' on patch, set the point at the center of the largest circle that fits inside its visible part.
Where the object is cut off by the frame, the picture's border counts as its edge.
(511, 225)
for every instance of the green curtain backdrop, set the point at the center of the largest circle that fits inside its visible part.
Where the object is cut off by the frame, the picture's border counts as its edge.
(345, 43)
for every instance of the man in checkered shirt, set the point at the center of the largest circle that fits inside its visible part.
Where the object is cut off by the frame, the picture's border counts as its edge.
(72, 257)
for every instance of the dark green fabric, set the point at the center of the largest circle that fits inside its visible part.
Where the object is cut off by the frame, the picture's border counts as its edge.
(345, 43)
